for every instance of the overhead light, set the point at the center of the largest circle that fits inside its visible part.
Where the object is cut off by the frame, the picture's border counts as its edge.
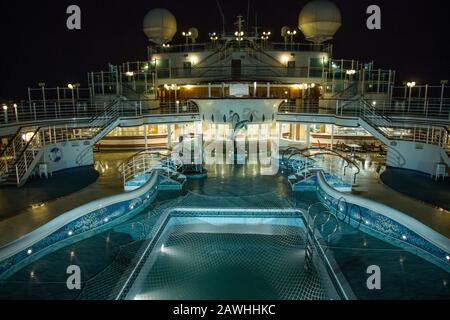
(411, 84)
(70, 86)
(5, 107)
(129, 74)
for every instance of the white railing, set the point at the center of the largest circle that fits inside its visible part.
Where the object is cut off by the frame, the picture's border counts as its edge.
(147, 162)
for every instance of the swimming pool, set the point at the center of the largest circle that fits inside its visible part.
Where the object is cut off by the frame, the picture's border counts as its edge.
(244, 254)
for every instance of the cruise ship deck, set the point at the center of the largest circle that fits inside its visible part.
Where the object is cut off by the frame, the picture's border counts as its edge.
(246, 167)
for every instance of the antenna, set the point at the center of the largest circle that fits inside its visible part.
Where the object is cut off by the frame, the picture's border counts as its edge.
(248, 16)
(223, 17)
(256, 26)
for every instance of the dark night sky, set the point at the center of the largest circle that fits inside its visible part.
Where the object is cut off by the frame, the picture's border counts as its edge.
(36, 46)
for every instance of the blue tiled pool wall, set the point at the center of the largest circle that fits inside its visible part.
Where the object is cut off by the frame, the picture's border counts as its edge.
(166, 184)
(138, 181)
(385, 229)
(87, 226)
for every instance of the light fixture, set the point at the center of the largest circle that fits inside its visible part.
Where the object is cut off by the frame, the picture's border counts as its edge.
(411, 84)
(285, 59)
(70, 86)
(213, 36)
(70, 233)
(5, 107)
(351, 72)
(129, 74)
(29, 252)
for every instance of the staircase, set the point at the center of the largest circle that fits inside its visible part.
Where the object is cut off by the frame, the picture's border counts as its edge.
(19, 158)
(381, 126)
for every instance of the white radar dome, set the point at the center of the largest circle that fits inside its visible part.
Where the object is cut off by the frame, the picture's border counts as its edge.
(320, 20)
(160, 26)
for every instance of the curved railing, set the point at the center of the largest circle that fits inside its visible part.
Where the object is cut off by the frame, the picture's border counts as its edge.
(136, 170)
(76, 225)
(292, 151)
(386, 223)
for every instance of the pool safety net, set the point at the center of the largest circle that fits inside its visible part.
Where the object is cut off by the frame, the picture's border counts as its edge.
(270, 264)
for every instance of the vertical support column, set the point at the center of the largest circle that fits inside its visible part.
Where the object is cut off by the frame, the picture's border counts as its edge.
(169, 136)
(268, 89)
(425, 109)
(209, 90)
(45, 102)
(146, 136)
(103, 82)
(332, 137)
(294, 132)
(58, 112)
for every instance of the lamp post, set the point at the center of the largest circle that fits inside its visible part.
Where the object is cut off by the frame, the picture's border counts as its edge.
(214, 38)
(239, 36)
(5, 112)
(72, 88)
(265, 37)
(187, 35)
(15, 112)
(292, 34)
(410, 85)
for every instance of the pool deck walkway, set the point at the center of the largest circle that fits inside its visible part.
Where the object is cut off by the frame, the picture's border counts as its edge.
(30, 215)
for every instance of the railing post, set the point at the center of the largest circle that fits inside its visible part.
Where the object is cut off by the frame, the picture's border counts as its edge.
(17, 175)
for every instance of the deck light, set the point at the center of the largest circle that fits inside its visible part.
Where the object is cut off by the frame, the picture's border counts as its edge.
(5, 107)
(70, 233)
(29, 252)
(404, 237)
(70, 86)
(106, 220)
(351, 72)
(129, 74)
(411, 84)
(187, 35)
(285, 59)
(448, 258)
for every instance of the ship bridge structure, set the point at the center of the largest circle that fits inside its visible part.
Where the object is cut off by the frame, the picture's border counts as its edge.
(262, 79)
